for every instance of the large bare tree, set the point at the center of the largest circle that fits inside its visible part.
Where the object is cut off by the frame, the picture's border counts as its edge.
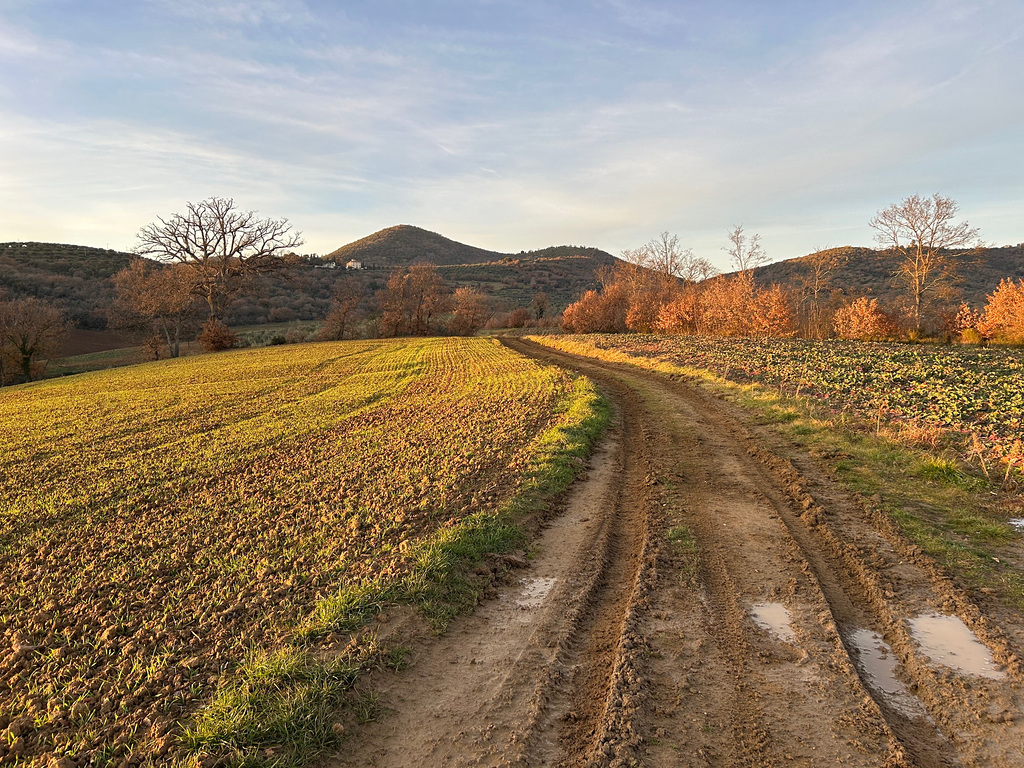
(222, 246)
(31, 332)
(922, 233)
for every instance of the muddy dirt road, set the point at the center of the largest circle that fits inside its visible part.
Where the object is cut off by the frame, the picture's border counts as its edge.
(709, 596)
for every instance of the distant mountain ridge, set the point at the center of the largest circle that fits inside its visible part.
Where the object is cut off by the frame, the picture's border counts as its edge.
(563, 272)
(869, 272)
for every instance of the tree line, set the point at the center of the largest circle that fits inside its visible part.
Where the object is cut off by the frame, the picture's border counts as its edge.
(199, 260)
(664, 288)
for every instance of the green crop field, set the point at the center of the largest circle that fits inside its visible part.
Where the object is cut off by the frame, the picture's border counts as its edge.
(963, 398)
(174, 535)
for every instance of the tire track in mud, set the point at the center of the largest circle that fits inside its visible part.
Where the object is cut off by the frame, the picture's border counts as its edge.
(718, 471)
(593, 712)
(749, 713)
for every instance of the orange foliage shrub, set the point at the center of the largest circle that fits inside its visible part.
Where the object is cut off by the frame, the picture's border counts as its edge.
(726, 303)
(1003, 318)
(772, 314)
(862, 319)
(683, 314)
(964, 324)
(598, 312)
(517, 318)
(728, 306)
(216, 336)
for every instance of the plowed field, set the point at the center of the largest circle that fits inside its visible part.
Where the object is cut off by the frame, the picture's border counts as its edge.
(159, 524)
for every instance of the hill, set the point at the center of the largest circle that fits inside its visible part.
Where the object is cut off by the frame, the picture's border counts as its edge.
(76, 277)
(868, 272)
(562, 272)
(403, 245)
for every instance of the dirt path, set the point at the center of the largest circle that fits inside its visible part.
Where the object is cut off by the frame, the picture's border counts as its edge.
(709, 597)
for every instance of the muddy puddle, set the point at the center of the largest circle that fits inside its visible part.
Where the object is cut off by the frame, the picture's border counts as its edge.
(1018, 523)
(534, 591)
(878, 665)
(948, 641)
(774, 618)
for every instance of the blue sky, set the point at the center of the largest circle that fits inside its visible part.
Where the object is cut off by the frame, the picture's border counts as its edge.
(511, 124)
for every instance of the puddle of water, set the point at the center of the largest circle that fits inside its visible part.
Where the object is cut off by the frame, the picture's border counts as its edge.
(534, 591)
(1018, 523)
(948, 641)
(878, 665)
(774, 617)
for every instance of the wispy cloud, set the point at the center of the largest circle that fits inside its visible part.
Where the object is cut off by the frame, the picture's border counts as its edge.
(240, 12)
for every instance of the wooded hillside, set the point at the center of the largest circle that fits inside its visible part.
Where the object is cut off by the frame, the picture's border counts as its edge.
(868, 272)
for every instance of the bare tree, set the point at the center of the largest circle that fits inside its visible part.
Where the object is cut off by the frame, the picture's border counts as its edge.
(540, 304)
(222, 246)
(160, 297)
(665, 256)
(31, 332)
(700, 269)
(745, 253)
(815, 279)
(661, 254)
(922, 233)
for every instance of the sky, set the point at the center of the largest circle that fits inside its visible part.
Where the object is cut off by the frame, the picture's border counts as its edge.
(512, 124)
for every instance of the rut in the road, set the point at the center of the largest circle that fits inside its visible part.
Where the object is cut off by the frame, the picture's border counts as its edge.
(594, 711)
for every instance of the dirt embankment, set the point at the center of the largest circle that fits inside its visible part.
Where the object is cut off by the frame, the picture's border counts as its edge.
(708, 597)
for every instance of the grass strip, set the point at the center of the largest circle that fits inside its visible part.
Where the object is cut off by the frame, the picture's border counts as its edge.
(279, 709)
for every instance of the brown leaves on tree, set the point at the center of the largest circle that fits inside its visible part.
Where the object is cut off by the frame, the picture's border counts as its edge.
(31, 332)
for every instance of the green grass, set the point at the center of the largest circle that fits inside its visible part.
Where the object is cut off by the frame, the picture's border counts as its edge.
(938, 504)
(685, 544)
(283, 706)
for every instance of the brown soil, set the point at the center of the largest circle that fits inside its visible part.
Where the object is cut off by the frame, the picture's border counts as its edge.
(631, 639)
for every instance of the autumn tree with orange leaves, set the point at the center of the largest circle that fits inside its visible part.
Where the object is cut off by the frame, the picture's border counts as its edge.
(471, 311)
(601, 311)
(413, 302)
(31, 333)
(1003, 317)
